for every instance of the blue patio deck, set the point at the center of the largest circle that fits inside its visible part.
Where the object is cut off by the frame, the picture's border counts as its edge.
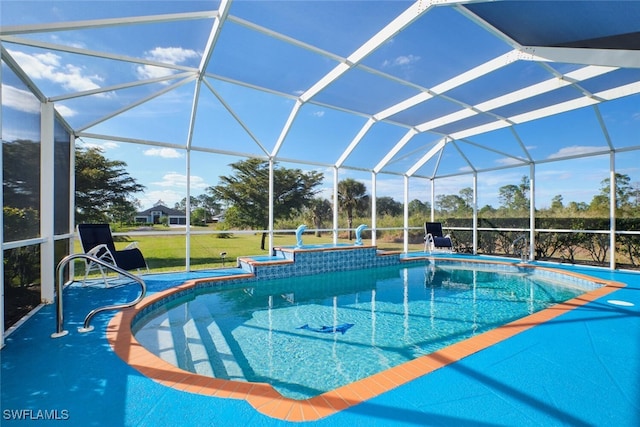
(580, 369)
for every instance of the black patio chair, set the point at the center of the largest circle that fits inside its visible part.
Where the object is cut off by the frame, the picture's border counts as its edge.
(96, 240)
(434, 238)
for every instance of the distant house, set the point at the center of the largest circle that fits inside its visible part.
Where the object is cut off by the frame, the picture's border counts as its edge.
(155, 214)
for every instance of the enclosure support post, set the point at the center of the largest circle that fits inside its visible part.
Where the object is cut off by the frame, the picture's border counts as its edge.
(406, 214)
(374, 207)
(335, 205)
(532, 211)
(187, 208)
(271, 195)
(612, 210)
(475, 213)
(72, 197)
(47, 192)
(433, 204)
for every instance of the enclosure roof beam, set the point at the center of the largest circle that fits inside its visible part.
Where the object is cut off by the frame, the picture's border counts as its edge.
(517, 96)
(562, 107)
(214, 34)
(93, 53)
(466, 77)
(428, 156)
(605, 57)
(369, 123)
(412, 13)
(109, 22)
(391, 153)
(135, 104)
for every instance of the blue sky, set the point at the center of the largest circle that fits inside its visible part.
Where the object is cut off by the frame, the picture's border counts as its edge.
(237, 119)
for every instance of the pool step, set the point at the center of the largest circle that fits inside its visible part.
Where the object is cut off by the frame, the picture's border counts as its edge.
(175, 342)
(250, 263)
(192, 340)
(179, 339)
(157, 337)
(220, 361)
(200, 361)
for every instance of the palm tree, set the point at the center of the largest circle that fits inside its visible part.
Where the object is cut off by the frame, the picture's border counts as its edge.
(352, 196)
(318, 211)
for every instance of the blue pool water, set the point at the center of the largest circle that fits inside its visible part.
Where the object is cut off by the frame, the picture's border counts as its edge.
(310, 334)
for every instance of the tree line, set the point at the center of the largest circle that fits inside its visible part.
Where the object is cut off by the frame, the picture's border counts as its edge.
(105, 192)
(243, 197)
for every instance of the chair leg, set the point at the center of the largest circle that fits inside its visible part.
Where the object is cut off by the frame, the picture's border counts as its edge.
(86, 273)
(104, 276)
(88, 268)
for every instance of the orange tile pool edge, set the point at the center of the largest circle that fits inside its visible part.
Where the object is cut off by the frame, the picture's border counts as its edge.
(266, 400)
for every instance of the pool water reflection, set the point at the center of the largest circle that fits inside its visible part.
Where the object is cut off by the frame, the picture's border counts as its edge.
(257, 333)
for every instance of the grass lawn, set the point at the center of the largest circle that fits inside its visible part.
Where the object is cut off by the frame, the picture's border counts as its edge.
(167, 252)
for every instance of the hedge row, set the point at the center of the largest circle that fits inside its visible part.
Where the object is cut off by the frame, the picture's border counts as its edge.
(585, 246)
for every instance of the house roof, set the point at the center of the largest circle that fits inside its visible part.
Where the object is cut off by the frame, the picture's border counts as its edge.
(165, 210)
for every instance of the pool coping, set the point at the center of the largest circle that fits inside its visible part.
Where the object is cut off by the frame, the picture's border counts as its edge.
(268, 401)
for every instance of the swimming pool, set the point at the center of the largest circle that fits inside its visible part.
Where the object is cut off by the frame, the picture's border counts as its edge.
(307, 335)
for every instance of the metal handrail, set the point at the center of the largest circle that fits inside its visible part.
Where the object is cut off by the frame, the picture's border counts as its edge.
(60, 332)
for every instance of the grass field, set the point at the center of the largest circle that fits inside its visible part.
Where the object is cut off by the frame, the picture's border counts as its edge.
(168, 252)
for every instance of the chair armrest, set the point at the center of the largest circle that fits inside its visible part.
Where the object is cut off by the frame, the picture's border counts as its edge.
(131, 245)
(94, 251)
(106, 255)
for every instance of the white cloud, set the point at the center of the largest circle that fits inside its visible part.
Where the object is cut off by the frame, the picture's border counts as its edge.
(318, 114)
(65, 111)
(169, 197)
(177, 180)
(394, 187)
(166, 153)
(21, 100)
(171, 55)
(150, 72)
(48, 66)
(401, 61)
(172, 189)
(509, 161)
(104, 145)
(57, 39)
(172, 179)
(168, 55)
(575, 150)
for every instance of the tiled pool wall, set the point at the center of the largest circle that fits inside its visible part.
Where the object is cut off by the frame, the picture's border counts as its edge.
(293, 262)
(304, 262)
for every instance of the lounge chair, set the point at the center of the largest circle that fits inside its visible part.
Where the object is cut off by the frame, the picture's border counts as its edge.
(96, 240)
(434, 239)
